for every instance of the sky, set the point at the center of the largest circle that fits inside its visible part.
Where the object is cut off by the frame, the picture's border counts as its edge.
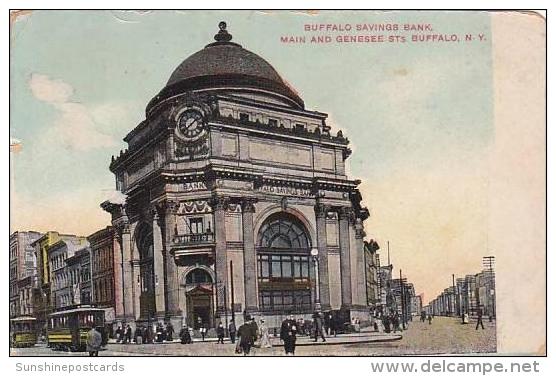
(418, 115)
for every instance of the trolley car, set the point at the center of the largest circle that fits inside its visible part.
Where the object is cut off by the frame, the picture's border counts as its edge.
(67, 329)
(23, 331)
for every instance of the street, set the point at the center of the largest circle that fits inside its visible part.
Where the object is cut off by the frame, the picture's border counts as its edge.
(444, 336)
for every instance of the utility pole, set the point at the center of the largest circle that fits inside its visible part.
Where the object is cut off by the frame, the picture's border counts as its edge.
(402, 288)
(488, 264)
(388, 245)
(456, 297)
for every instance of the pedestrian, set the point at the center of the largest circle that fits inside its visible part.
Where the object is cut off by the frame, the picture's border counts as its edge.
(203, 331)
(318, 329)
(479, 319)
(301, 328)
(94, 341)
(254, 329)
(169, 332)
(429, 318)
(128, 334)
(265, 339)
(149, 334)
(232, 331)
(159, 332)
(326, 323)
(356, 325)
(185, 337)
(334, 325)
(119, 334)
(396, 322)
(246, 336)
(288, 334)
(220, 332)
(139, 335)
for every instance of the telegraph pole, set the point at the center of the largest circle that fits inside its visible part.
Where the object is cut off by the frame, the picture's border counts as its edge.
(488, 264)
(402, 288)
(456, 297)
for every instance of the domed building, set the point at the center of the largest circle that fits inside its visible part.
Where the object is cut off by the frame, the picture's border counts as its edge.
(237, 201)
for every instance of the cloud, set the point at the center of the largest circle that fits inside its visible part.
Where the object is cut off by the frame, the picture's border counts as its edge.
(63, 209)
(48, 90)
(75, 127)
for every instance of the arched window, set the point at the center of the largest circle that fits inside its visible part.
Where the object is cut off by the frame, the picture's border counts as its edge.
(197, 276)
(283, 260)
(283, 231)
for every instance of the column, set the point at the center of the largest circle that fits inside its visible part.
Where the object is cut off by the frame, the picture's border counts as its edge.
(345, 265)
(128, 285)
(118, 276)
(158, 255)
(170, 274)
(320, 213)
(249, 256)
(219, 204)
(361, 297)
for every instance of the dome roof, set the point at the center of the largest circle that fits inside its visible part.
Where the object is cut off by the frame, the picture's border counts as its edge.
(224, 64)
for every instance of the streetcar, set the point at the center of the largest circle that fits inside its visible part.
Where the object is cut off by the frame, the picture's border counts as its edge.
(67, 329)
(23, 331)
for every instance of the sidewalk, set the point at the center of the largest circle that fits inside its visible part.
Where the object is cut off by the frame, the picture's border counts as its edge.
(362, 337)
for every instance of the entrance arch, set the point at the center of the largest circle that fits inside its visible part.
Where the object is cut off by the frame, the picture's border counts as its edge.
(284, 268)
(199, 293)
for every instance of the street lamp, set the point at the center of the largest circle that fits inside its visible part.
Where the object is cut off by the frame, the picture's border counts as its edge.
(315, 255)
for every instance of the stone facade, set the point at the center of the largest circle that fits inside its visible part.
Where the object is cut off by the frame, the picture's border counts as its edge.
(104, 263)
(23, 266)
(230, 171)
(372, 263)
(65, 271)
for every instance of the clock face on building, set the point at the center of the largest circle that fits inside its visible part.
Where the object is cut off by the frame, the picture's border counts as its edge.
(191, 125)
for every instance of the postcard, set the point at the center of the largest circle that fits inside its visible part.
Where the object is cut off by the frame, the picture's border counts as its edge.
(269, 183)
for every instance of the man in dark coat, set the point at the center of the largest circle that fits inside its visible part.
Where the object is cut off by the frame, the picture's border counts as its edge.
(254, 328)
(169, 331)
(396, 322)
(128, 336)
(247, 335)
(119, 334)
(232, 330)
(288, 333)
(386, 323)
(94, 341)
(318, 326)
(185, 337)
(479, 319)
(220, 332)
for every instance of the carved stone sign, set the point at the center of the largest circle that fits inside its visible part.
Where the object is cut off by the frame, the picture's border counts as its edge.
(283, 190)
(194, 186)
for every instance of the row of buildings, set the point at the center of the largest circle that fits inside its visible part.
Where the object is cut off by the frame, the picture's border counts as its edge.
(385, 293)
(467, 295)
(52, 271)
